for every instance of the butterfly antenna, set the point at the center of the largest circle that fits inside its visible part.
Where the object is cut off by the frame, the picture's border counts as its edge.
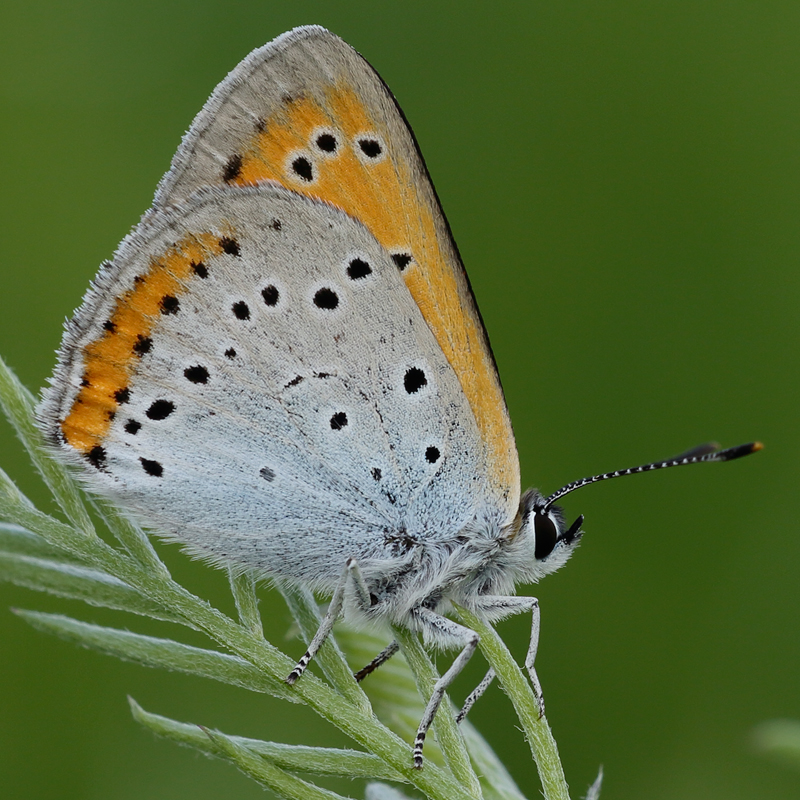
(697, 455)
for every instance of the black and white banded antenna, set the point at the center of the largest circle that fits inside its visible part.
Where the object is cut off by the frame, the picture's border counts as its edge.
(697, 455)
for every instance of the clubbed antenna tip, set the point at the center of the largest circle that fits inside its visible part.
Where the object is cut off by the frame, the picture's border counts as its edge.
(697, 455)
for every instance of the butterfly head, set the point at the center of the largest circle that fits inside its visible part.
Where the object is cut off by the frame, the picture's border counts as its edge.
(544, 529)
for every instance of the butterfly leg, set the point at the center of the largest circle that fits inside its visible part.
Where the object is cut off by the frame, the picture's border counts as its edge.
(378, 661)
(445, 629)
(351, 576)
(475, 695)
(510, 605)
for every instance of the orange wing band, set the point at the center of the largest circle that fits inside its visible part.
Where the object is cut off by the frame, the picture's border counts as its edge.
(110, 361)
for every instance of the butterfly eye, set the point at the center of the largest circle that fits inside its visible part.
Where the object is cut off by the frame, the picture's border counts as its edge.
(546, 535)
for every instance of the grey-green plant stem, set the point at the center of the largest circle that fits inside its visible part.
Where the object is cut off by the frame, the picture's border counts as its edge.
(19, 405)
(132, 538)
(76, 582)
(517, 687)
(299, 758)
(362, 728)
(243, 589)
(267, 773)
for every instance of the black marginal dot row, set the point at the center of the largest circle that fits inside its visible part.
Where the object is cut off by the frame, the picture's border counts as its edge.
(169, 304)
(301, 165)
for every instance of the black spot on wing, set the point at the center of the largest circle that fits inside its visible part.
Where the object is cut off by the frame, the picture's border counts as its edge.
(358, 269)
(271, 295)
(241, 310)
(229, 246)
(338, 421)
(232, 168)
(152, 467)
(132, 427)
(327, 142)
(196, 374)
(326, 299)
(370, 147)
(97, 457)
(169, 304)
(142, 345)
(160, 409)
(414, 380)
(303, 168)
(401, 260)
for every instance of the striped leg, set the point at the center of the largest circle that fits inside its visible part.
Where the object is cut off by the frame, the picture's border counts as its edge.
(351, 576)
(475, 694)
(512, 605)
(443, 628)
(376, 662)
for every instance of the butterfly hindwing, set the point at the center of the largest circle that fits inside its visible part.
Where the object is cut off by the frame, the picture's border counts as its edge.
(258, 334)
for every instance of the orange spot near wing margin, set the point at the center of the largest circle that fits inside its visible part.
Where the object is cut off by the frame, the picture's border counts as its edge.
(110, 360)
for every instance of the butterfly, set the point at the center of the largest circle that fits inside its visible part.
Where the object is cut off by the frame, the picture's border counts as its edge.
(283, 366)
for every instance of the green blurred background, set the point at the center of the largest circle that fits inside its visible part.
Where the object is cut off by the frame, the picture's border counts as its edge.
(623, 180)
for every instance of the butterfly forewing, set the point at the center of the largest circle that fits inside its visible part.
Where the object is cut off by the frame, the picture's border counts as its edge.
(310, 113)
